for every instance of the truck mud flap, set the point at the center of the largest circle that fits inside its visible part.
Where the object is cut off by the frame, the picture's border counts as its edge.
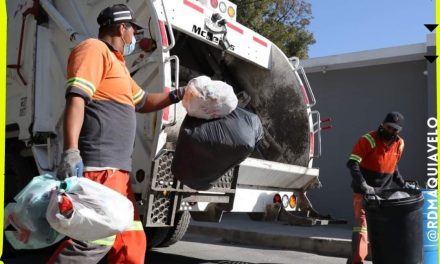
(277, 213)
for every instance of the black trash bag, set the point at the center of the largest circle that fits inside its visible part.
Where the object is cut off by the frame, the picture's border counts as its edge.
(207, 149)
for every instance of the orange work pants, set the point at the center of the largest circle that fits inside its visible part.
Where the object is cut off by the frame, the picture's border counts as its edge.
(359, 240)
(128, 247)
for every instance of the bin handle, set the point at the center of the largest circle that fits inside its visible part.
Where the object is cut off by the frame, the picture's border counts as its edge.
(376, 199)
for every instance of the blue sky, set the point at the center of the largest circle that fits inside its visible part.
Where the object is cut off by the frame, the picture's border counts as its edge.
(342, 26)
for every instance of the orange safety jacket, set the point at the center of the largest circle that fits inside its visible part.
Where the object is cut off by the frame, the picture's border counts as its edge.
(375, 162)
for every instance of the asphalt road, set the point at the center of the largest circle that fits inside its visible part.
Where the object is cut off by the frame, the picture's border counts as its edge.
(196, 249)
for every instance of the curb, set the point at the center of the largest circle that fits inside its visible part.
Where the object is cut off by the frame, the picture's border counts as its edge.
(318, 245)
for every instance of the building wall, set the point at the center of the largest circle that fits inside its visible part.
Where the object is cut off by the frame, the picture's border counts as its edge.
(357, 100)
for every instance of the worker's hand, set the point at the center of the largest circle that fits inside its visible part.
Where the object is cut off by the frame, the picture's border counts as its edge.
(409, 185)
(177, 95)
(71, 164)
(367, 189)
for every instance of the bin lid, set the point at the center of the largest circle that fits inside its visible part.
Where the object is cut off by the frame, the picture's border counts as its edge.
(393, 197)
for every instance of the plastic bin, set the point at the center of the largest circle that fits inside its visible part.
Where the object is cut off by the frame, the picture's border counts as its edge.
(430, 225)
(395, 226)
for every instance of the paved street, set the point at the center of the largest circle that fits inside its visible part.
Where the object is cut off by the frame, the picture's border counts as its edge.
(197, 249)
(202, 250)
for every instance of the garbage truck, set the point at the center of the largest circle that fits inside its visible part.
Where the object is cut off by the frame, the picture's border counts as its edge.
(182, 39)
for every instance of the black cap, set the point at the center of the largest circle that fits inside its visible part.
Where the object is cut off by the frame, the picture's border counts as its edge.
(117, 14)
(395, 120)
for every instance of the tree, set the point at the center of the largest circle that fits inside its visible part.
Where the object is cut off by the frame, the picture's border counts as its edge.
(284, 22)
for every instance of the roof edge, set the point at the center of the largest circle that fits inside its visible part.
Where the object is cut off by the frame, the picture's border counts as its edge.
(405, 53)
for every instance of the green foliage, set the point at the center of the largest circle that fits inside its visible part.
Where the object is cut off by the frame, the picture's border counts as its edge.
(284, 22)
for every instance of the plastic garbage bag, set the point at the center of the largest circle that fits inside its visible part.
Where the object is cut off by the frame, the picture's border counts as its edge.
(28, 215)
(208, 99)
(399, 195)
(206, 149)
(97, 211)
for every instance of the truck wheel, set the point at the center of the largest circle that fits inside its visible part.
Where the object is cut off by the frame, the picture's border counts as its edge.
(167, 236)
(177, 232)
(155, 236)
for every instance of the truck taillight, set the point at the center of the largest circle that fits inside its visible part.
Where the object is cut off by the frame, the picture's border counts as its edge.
(222, 7)
(163, 33)
(277, 199)
(285, 201)
(292, 201)
(231, 11)
(214, 3)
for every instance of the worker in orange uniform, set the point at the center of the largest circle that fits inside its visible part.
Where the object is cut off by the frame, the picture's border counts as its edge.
(373, 167)
(99, 129)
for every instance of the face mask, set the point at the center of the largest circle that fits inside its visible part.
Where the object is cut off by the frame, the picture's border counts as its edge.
(385, 135)
(129, 48)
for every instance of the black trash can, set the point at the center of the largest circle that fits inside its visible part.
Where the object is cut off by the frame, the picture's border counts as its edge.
(395, 226)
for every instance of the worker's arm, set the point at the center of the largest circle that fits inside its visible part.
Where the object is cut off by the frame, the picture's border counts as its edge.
(73, 121)
(71, 162)
(155, 101)
(358, 178)
(355, 172)
(397, 178)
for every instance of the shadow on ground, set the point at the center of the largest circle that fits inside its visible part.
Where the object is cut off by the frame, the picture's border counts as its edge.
(166, 258)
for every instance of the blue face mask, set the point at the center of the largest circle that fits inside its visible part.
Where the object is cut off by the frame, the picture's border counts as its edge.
(129, 48)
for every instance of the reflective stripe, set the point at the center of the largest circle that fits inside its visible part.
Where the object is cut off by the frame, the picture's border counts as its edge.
(108, 241)
(370, 140)
(358, 229)
(355, 158)
(81, 83)
(138, 97)
(136, 226)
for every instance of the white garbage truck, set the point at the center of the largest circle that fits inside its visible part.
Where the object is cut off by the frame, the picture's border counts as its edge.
(183, 39)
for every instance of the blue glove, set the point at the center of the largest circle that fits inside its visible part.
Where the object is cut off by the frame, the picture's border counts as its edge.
(177, 95)
(367, 189)
(408, 185)
(71, 164)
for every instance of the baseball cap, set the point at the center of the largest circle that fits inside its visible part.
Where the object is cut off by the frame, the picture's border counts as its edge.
(117, 14)
(395, 120)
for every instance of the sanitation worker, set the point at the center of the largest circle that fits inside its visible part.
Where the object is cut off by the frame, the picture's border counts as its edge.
(373, 167)
(99, 129)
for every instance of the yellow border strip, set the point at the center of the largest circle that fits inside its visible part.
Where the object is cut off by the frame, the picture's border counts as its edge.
(3, 41)
(437, 83)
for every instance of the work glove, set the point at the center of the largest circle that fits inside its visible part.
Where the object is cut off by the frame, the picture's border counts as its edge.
(177, 95)
(409, 185)
(367, 189)
(71, 164)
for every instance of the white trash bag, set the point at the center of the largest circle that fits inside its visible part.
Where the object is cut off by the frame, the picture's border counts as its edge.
(28, 215)
(97, 211)
(208, 99)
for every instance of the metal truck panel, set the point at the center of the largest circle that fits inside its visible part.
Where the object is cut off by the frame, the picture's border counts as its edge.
(245, 43)
(264, 173)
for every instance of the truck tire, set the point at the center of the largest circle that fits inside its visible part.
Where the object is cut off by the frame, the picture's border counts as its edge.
(167, 236)
(177, 232)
